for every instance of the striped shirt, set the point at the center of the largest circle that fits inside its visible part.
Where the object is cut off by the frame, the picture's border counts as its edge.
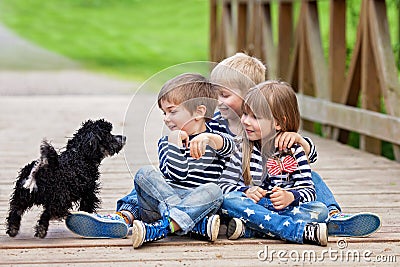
(220, 125)
(232, 178)
(183, 171)
(300, 179)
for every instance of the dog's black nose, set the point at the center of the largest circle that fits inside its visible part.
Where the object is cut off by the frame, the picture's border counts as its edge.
(121, 139)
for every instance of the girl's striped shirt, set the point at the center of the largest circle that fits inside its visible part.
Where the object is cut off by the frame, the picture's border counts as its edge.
(232, 178)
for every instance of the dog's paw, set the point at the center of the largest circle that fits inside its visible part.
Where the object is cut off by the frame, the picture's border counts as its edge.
(41, 231)
(12, 232)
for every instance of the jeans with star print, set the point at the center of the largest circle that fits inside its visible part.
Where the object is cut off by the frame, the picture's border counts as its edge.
(265, 220)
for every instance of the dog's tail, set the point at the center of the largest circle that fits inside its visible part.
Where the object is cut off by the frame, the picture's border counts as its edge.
(48, 156)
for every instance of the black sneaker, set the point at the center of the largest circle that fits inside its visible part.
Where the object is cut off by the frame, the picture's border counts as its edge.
(208, 227)
(316, 233)
(235, 229)
(145, 232)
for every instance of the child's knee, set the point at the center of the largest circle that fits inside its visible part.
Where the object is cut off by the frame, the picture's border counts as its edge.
(145, 171)
(321, 209)
(144, 174)
(214, 191)
(234, 199)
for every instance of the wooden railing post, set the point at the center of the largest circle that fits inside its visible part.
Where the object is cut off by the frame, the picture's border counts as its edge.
(337, 53)
(337, 49)
(246, 25)
(370, 90)
(213, 30)
(285, 39)
(241, 40)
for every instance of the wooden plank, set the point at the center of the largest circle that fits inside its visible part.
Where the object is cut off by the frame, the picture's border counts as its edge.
(285, 38)
(305, 84)
(378, 125)
(253, 32)
(213, 31)
(269, 49)
(232, 255)
(228, 34)
(370, 90)
(241, 40)
(337, 49)
(386, 67)
(318, 69)
(294, 72)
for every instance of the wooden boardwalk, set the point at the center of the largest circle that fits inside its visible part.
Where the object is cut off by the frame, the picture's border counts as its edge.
(360, 181)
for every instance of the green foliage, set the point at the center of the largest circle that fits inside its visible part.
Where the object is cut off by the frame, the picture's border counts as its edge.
(133, 38)
(137, 38)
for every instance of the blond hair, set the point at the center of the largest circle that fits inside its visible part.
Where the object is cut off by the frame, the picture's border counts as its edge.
(191, 90)
(270, 99)
(239, 71)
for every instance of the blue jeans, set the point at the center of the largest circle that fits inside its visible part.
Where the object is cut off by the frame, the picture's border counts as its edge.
(324, 194)
(185, 206)
(130, 203)
(287, 224)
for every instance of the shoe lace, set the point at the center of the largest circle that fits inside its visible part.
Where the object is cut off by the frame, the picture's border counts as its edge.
(310, 233)
(157, 230)
(201, 227)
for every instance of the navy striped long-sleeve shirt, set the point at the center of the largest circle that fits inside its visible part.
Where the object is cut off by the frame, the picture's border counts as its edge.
(220, 125)
(232, 178)
(183, 171)
(300, 178)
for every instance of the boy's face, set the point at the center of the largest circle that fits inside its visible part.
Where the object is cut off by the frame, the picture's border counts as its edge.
(176, 117)
(230, 103)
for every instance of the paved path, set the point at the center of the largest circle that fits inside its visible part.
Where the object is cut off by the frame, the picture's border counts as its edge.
(17, 53)
(62, 82)
(27, 69)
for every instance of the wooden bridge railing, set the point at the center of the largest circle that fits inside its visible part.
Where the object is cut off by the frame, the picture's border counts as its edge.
(328, 91)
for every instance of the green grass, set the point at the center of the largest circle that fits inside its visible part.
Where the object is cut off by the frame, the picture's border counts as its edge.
(131, 38)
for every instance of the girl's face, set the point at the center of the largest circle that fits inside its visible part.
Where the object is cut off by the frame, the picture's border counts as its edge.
(230, 103)
(257, 128)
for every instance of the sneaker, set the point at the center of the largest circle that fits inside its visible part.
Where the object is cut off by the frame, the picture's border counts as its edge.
(208, 227)
(146, 232)
(235, 229)
(97, 226)
(354, 225)
(316, 233)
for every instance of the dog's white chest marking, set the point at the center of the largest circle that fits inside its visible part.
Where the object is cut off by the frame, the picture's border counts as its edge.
(31, 181)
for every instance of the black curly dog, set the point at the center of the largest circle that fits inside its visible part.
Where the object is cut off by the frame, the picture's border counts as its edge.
(58, 182)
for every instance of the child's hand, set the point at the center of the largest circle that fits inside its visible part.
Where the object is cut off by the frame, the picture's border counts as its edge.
(255, 193)
(281, 198)
(198, 145)
(286, 140)
(179, 138)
